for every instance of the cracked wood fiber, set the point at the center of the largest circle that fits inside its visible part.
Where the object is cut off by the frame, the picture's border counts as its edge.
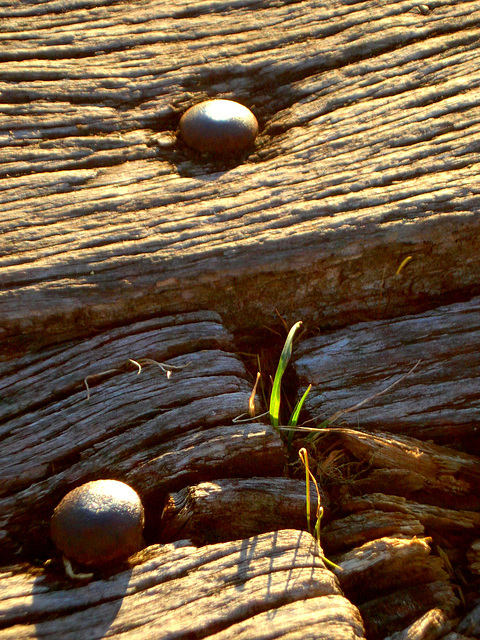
(431, 626)
(156, 433)
(386, 565)
(410, 467)
(237, 508)
(382, 614)
(368, 153)
(272, 585)
(394, 581)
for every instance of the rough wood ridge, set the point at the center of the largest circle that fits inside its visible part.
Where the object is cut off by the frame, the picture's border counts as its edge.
(401, 461)
(250, 589)
(368, 154)
(440, 399)
(358, 202)
(156, 433)
(174, 440)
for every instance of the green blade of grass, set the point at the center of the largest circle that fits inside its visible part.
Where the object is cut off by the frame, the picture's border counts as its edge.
(294, 417)
(298, 407)
(274, 410)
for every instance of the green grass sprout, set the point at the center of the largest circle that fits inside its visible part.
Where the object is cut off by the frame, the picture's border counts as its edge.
(295, 414)
(274, 410)
(298, 407)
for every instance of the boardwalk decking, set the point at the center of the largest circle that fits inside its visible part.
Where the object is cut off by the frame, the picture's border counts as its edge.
(356, 211)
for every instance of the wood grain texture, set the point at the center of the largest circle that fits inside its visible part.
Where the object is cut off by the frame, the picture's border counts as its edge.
(454, 528)
(156, 433)
(470, 625)
(387, 565)
(238, 508)
(365, 526)
(383, 616)
(440, 399)
(385, 576)
(431, 626)
(368, 153)
(413, 468)
(178, 591)
(61, 370)
(404, 488)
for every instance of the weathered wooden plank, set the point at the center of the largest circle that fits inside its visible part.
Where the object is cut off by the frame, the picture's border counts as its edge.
(431, 516)
(218, 452)
(107, 218)
(470, 625)
(65, 425)
(431, 626)
(153, 471)
(378, 576)
(303, 619)
(410, 467)
(237, 508)
(387, 565)
(178, 591)
(456, 528)
(384, 569)
(358, 528)
(441, 485)
(62, 370)
(383, 616)
(441, 399)
(157, 433)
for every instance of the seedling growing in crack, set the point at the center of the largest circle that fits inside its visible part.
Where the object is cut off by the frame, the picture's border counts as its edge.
(275, 397)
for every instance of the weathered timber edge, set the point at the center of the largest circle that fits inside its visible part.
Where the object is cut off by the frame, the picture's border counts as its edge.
(327, 283)
(367, 156)
(225, 591)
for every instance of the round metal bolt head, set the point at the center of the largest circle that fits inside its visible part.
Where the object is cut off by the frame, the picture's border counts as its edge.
(219, 127)
(98, 523)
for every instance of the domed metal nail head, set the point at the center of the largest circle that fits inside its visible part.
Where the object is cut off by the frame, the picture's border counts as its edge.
(219, 127)
(98, 523)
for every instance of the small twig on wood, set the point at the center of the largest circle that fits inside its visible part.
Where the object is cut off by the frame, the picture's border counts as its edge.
(137, 364)
(166, 368)
(340, 413)
(246, 417)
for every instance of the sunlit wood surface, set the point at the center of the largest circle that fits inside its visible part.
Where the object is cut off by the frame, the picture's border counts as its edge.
(368, 154)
